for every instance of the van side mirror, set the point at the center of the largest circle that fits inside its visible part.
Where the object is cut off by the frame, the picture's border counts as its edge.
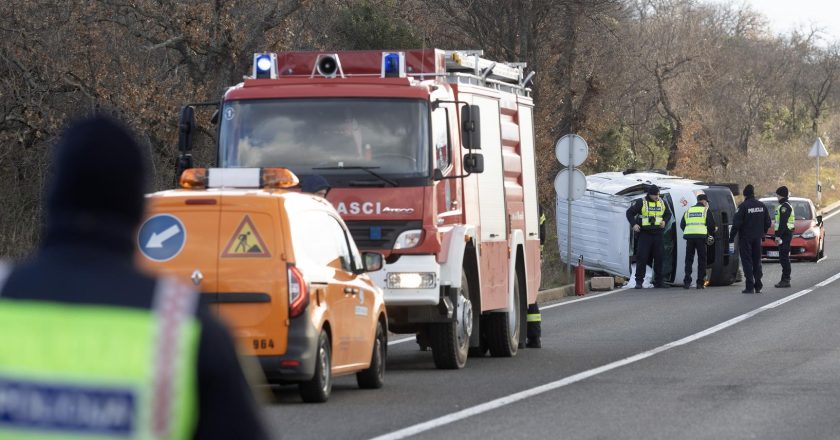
(819, 220)
(373, 261)
(473, 163)
(186, 128)
(471, 127)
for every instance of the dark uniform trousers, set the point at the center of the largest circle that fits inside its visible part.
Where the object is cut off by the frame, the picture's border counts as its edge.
(784, 255)
(693, 245)
(650, 246)
(750, 250)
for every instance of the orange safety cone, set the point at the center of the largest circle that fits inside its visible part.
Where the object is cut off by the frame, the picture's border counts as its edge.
(580, 278)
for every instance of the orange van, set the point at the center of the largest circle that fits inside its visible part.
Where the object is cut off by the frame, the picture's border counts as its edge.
(279, 267)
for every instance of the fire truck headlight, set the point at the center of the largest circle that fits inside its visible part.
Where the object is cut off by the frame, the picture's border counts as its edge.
(409, 239)
(411, 280)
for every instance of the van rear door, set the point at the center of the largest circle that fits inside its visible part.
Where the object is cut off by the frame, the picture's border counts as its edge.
(253, 291)
(179, 237)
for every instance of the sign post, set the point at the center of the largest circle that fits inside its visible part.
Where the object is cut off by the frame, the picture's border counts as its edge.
(571, 150)
(818, 150)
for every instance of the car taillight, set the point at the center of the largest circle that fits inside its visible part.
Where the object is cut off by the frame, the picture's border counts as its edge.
(298, 296)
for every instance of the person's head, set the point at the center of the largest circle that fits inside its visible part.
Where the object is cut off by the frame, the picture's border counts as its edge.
(782, 193)
(315, 184)
(653, 193)
(703, 199)
(749, 192)
(96, 194)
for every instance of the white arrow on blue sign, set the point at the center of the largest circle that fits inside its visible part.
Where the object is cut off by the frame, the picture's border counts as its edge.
(161, 237)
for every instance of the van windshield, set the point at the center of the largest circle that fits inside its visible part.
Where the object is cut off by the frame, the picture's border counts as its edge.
(310, 136)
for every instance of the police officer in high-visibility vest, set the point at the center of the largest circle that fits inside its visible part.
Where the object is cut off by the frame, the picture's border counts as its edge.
(783, 223)
(534, 327)
(750, 224)
(698, 226)
(649, 216)
(90, 347)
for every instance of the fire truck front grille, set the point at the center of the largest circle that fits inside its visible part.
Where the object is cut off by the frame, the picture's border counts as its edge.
(378, 234)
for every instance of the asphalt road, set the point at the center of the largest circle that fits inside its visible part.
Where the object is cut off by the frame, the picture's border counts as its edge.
(650, 364)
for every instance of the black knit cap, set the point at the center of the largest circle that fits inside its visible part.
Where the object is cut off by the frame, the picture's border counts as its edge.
(99, 179)
(653, 190)
(313, 183)
(782, 191)
(702, 197)
(749, 191)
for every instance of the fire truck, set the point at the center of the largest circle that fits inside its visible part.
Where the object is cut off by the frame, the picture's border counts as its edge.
(430, 158)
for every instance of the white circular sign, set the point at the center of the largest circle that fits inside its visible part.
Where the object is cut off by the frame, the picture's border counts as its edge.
(571, 148)
(567, 192)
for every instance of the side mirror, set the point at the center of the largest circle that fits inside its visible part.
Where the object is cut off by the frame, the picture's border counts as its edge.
(186, 128)
(373, 261)
(437, 174)
(471, 127)
(215, 118)
(819, 220)
(473, 163)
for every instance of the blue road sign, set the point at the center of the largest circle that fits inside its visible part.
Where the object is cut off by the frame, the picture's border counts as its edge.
(161, 237)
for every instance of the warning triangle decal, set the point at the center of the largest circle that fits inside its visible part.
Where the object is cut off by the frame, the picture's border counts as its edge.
(246, 242)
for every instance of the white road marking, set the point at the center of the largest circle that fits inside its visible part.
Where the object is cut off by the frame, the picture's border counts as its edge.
(400, 341)
(836, 211)
(522, 395)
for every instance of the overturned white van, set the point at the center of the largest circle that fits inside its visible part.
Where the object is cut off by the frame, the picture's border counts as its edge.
(602, 236)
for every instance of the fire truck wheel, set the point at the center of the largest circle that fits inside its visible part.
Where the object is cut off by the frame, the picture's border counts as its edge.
(451, 340)
(503, 328)
(318, 388)
(374, 376)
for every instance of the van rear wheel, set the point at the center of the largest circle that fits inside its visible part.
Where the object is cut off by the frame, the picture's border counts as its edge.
(374, 376)
(317, 389)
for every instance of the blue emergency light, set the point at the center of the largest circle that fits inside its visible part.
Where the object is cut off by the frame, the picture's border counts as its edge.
(393, 64)
(265, 65)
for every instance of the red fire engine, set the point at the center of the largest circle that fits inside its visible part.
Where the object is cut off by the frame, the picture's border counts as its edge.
(430, 156)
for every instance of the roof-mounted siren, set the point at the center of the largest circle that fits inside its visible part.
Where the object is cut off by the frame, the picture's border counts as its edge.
(265, 65)
(393, 64)
(328, 65)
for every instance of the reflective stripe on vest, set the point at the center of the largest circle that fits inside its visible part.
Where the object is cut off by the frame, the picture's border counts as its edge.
(695, 222)
(91, 371)
(652, 213)
(534, 317)
(778, 219)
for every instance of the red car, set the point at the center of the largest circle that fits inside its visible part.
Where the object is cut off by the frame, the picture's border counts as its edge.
(808, 235)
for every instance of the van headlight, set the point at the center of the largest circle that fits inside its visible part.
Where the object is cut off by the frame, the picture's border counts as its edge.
(411, 280)
(809, 234)
(409, 239)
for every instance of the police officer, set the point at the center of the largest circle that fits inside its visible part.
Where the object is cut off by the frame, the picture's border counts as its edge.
(534, 327)
(649, 217)
(315, 184)
(750, 225)
(698, 226)
(784, 225)
(91, 347)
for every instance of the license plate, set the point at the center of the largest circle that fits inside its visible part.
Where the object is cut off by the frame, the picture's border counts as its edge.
(773, 254)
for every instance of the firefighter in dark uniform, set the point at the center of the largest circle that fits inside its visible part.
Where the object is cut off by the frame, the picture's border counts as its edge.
(750, 225)
(90, 346)
(534, 327)
(784, 225)
(649, 216)
(698, 226)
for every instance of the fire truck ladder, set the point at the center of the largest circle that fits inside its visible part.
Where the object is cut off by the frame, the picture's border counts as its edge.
(468, 66)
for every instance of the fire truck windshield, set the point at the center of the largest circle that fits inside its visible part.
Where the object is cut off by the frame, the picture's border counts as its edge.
(387, 135)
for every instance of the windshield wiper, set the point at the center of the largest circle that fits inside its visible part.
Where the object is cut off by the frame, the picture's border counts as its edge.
(365, 169)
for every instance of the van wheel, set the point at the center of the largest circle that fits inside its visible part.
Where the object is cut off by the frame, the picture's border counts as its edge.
(318, 388)
(451, 340)
(503, 329)
(374, 376)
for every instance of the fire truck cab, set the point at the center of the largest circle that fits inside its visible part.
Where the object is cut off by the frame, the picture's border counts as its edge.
(430, 156)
